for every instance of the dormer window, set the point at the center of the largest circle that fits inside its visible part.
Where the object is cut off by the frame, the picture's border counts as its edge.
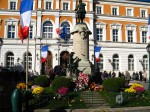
(12, 5)
(48, 5)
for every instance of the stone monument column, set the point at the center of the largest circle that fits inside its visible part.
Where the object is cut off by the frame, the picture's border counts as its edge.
(81, 47)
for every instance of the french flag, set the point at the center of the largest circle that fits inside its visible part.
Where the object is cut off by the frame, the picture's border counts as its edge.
(44, 52)
(62, 32)
(26, 8)
(149, 29)
(97, 51)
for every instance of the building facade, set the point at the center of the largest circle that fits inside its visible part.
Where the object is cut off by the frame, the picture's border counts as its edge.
(119, 26)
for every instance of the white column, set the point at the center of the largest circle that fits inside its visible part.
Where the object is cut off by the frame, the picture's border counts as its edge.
(91, 5)
(74, 4)
(91, 28)
(56, 25)
(39, 4)
(39, 19)
(57, 4)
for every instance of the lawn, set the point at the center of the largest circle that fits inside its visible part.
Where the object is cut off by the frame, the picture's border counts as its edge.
(129, 99)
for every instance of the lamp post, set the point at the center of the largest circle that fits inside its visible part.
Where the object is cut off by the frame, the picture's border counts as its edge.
(1, 43)
(148, 50)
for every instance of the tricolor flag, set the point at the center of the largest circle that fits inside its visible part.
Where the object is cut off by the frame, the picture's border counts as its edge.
(44, 52)
(148, 40)
(62, 32)
(26, 8)
(97, 51)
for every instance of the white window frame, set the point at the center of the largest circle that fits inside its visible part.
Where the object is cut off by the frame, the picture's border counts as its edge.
(102, 10)
(47, 32)
(132, 12)
(12, 1)
(11, 57)
(131, 67)
(143, 28)
(133, 28)
(146, 14)
(117, 26)
(117, 7)
(102, 26)
(29, 61)
(52, 4)
(116, 63)
(11, 21)
(68, 4)
(145, 63)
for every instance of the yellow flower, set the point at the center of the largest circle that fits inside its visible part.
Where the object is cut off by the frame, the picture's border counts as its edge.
(38, 90)
(21, 86)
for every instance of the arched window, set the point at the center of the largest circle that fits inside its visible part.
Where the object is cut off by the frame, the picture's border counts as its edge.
(10, 59)
(100, 64)
(115, 62)
(130, 62)
(29, 61)
(145, 62)
(67, 25)
(48, 30)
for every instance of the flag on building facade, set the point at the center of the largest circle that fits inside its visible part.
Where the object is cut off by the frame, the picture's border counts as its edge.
(148, 29)
(26, 8)
(44, 52)
(62, 32)
(97, 52)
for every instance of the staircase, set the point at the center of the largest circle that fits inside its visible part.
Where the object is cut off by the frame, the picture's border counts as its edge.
(93, 99)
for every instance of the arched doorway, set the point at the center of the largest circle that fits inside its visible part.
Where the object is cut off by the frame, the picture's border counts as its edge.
(64, 56)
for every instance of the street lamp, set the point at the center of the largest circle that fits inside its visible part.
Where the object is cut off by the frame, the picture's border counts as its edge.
(1, 43)
(148, 50)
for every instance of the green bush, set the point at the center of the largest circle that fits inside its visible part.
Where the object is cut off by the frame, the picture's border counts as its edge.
(42, 81)
(61, 82)
(113, 84)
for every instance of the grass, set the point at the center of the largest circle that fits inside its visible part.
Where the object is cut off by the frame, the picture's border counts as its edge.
(130, 100)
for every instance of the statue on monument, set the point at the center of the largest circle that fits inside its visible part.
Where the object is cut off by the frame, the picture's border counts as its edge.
(80, 11)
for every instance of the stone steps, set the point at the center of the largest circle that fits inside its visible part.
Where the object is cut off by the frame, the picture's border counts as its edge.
(93, 99)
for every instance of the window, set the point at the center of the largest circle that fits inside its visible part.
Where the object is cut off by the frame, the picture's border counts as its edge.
(12, 5)
(99, 34)
(144, 36)
(11, 31)
(29, 61)
(10, 59)
(145, 63)
(31, 32)
(130, 62)
(129, 12)
(48, 5)
(66, 24)
(143, 13)
(115, 62)
(115, 35)
(114, 11)
(99, 10)
(130, 36)
(47, 30)
(65, 6)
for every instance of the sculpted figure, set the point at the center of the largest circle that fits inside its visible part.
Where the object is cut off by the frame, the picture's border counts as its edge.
(80, 8)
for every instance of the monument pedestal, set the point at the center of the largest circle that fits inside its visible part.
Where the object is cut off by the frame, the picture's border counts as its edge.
(81, 47)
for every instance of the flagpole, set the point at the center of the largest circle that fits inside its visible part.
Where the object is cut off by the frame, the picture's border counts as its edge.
(27, 63)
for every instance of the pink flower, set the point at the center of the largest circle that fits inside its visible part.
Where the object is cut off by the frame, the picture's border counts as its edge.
(140, 89)
(63, 91)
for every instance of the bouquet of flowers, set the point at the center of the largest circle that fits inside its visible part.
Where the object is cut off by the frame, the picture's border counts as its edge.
(92, 86)
(63, 91)
(136, 88)
(21, 86)
(38, 90)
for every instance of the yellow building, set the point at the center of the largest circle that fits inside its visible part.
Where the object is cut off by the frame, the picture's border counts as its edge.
(119, 26)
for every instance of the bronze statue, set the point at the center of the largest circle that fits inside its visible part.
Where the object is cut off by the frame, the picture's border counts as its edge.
(80, 8)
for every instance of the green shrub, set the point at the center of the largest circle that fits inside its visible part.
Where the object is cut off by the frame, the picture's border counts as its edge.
(42, 81)
(113, 84)
(61, 82)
